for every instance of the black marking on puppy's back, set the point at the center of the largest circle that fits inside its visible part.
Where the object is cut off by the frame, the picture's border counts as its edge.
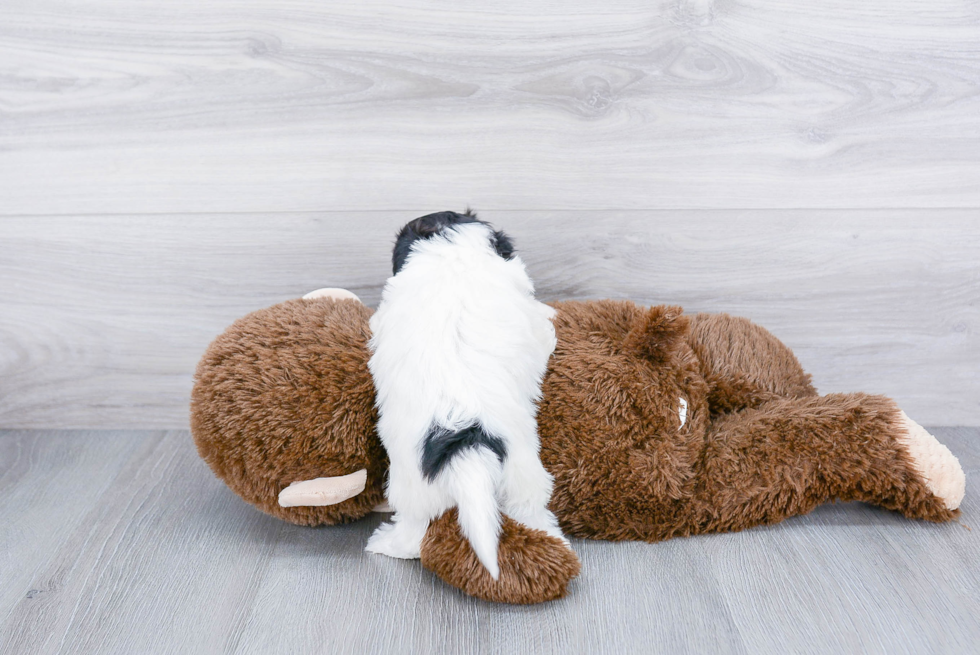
(441, 446)
(430, 225)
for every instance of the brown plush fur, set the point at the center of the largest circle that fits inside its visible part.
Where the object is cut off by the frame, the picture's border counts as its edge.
(609, 425)
(743, 364)
(534, 566)
(759, 445)
(285, 394)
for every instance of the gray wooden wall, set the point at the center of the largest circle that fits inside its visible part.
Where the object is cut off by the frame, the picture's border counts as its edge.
(166, 167)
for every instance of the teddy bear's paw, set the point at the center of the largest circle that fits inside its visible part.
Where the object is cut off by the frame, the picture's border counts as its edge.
(534, 566)
(397, 539)
(336, 294)
(938, 467)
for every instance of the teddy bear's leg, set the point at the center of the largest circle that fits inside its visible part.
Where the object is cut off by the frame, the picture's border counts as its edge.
(744, 364)
(786, 456)
(534, 566)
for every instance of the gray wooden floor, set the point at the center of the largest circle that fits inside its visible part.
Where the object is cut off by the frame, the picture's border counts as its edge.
(123, 542)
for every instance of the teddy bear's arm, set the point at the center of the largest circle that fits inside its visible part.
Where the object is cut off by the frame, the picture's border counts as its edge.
(744, 364)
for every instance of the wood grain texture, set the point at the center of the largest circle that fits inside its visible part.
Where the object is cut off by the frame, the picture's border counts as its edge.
(250, 105)
(157, 556)
(102, 319)
(49, 482)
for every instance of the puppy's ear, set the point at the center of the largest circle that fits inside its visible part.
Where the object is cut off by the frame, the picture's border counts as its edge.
(427, 226)
(503, 245)
(657, 333)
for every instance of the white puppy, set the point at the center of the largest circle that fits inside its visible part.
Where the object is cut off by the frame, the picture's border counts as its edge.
(459, 349)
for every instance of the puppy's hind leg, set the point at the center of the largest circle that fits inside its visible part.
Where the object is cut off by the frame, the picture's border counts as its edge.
(527, 487)
(415, 503)
(402, 538)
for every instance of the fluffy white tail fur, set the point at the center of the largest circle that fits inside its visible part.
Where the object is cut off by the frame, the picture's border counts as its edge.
(472, 479)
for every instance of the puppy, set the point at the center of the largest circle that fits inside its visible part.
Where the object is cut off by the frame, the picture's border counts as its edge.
(459, 348)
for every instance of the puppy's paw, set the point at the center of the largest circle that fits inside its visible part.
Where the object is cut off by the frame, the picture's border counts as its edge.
(550, 528)
(394, 540)
(538, 519)
(938, 467)
(554, 531)
(558, 534)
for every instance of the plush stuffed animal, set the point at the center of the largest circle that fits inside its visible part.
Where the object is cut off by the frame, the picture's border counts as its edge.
(655, 424)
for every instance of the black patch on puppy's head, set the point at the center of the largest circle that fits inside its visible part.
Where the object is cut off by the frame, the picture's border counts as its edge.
(430, 225)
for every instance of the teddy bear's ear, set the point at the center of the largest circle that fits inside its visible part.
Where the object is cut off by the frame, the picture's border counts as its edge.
(657, 333)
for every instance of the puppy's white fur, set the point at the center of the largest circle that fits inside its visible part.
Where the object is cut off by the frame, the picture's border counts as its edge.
(460, 340)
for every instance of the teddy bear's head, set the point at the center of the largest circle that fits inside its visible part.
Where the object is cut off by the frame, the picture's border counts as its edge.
(623, 417)
(293, 378)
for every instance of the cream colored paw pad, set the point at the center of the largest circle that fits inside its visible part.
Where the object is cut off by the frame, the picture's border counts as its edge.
(939, 468)
(323, 491)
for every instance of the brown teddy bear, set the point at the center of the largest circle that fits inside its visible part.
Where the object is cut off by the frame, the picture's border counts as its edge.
(654, 424)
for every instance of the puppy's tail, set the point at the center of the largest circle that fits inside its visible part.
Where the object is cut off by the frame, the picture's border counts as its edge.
(468, 464)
